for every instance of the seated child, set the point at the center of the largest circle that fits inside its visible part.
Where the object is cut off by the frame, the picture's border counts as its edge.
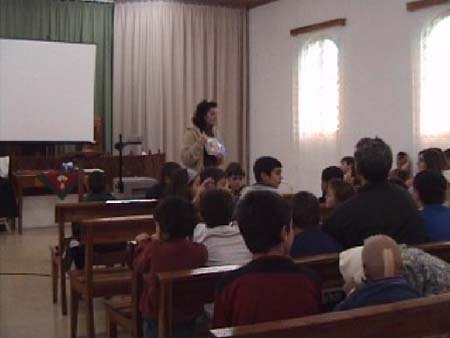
(96, 193)
(426, 273)
(235, 176)
(267, 171)
(271, 286)
(328, 174)
(430, 191)
(160, 189)
(338, 192)
(169, 250)
(216, 175)
(223, 240)
(97, 188)
(383, 269)
(309, 239)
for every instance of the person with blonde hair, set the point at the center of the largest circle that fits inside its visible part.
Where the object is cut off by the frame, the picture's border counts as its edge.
(384, 281)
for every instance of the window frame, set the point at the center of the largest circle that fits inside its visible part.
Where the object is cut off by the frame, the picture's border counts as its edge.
(312, 39)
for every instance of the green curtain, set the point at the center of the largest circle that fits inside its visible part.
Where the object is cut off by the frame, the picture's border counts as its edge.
(68, 21)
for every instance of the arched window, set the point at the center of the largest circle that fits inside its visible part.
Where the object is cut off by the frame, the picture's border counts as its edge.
(318, 89)
(434, 120)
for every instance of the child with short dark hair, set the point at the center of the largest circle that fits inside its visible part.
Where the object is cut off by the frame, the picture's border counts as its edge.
(169, 250)
(309, 238)
(217, 175)
(267, 171)
(235, 177)
(222, 239)
(430, 190)
(271, 286)
(97, 188)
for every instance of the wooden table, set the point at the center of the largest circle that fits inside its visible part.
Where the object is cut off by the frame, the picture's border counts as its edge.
(27, 179)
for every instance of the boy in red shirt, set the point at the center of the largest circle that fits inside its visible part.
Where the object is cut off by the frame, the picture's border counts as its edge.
(271, 286)
(170, 249)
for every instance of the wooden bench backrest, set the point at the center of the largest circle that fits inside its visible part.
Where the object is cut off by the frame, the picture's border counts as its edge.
(76, 212)
(407, 319)
(110, 230)
(202, 281)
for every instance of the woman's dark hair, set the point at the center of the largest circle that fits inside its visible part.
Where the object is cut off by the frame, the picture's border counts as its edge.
(167, 169)
(305, 210)
(97, 182)
(342, 190)
(176, 217)
(350, 161)
(431, 187)
(212, 172)
(434, 159)
(234, 169)
(178, 185)
(261, 216)
(199, 119)
(216, 207)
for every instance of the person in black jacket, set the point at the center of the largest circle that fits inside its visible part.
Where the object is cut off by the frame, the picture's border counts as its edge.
(379, 207)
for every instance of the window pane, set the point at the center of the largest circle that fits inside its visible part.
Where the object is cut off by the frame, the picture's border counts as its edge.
(435, 76)
(318, 89)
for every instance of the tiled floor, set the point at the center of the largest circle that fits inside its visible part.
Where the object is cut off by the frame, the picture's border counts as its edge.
(26, 308)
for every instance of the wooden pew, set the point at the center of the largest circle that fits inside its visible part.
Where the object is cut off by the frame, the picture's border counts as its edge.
(422, 317)
(203, 280)
(77, 212)
(103, 282)
(124, 310)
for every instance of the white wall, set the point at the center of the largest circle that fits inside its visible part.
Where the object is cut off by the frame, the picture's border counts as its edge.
(378, 50)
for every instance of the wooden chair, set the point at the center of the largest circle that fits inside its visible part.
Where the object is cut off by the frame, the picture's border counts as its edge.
(124, 310)
(77, 212)
(415, 318)
(105, 281)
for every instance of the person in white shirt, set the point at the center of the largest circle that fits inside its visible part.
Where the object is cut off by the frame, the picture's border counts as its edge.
(222, 239)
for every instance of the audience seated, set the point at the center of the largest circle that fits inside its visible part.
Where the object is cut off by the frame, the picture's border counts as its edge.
(222, 239)
(97, 188)
(383, 269)
(218, 176)
(349, 170)
(160, 189)
(183, 183)
(379, 207)
(235, 176)
(426, 273)
(430, 190)
(309, 239)
(401, 178)
(338, 192)
(271, 286)
(96, 193)
(328, 174)
(434, 159)
(169, 250)
(404, 164)
(267, 171)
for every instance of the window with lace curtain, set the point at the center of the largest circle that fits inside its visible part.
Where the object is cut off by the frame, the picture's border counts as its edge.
(434, 119)
(318, 89)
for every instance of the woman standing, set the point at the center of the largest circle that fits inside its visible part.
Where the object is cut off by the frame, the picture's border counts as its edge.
(199, 142)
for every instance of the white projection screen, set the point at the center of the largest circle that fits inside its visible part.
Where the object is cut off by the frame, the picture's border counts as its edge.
(46, 91)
